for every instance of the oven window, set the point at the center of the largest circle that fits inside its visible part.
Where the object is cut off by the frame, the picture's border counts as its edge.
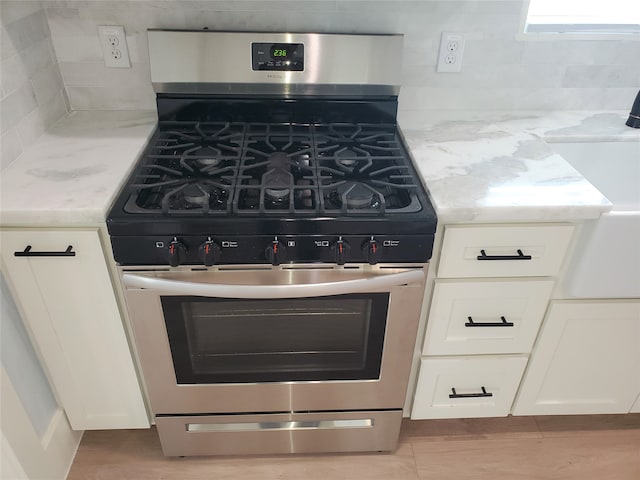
(219, 340)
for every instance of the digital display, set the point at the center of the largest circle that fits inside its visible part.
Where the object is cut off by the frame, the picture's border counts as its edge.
(288, 57)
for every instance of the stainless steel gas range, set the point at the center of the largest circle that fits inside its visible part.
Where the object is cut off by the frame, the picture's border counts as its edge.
(273, 243)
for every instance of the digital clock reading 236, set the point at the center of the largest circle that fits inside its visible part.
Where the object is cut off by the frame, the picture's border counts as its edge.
(277, 56)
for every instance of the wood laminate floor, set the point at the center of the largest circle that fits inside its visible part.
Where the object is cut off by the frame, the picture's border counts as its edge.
(599, 447)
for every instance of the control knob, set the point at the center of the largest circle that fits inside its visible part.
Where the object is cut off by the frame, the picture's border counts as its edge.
(177, 252)
(275, 252)
(372, 251)
(340, 251)
(209, 252)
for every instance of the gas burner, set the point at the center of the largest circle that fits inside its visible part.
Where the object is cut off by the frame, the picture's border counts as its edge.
(357, 196)
(176, 191)
(191, 197)
(206, 159)
(276, 198)
(277, 194)
(278, 180)
(199, 144)
(208, 162)
(346, 158)
(195, 194)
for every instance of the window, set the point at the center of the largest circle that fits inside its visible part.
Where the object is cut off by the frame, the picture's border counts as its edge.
(583, 16)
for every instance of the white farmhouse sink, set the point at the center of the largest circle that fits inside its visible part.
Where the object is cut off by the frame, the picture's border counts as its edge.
(606, 259)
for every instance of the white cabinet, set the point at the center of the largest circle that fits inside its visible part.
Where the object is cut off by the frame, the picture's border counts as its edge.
(586, 360)
(485, 316)
(491, 292)
(61, 282)
(504, 251)
(636, 406)
(467, 386)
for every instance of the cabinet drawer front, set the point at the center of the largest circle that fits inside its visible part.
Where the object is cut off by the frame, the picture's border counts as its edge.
(467, 387)
(482, 316)
(503, 251)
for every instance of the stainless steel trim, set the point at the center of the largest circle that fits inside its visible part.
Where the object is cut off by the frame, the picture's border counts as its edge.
(288, 425)
(379, 268)
(285, 90)
(185, 61)
(290, 290)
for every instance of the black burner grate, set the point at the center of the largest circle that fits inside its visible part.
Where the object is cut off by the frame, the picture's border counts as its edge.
(216, 168)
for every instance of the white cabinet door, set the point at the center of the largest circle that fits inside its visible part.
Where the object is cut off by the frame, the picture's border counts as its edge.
(461, 387)
(586, 360)
(69, 306)
(485, 316)
(636, 406)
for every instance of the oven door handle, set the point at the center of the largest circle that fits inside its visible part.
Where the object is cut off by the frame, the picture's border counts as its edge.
(382, 282)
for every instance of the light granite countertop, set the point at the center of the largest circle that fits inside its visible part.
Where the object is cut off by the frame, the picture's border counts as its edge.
(498, 170)
(73, 172)
(504, 170)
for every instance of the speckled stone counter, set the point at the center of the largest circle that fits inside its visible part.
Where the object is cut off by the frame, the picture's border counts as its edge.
(72, 174)
(504, 169)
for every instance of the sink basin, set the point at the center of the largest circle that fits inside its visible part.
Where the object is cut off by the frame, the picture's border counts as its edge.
(606, 258)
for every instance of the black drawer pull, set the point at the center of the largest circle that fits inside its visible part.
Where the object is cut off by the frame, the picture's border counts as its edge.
(28, 253)
(519, 256)
(503, 323)
(470, 395)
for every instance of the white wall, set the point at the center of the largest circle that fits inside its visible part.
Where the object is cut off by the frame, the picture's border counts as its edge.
(500, 72)
(31, 90)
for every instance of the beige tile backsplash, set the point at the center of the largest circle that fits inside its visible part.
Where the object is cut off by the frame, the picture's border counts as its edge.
(32, 92)
(499, 72)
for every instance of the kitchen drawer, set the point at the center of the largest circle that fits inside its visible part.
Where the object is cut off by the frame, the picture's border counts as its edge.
(485, 316)
(503, 251)
(465, 387)
(279, 433)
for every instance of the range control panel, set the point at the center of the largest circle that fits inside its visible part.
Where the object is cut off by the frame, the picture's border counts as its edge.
(275, 250)
(287, 57)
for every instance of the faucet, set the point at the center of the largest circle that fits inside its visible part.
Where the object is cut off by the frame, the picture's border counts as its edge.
(634, 115)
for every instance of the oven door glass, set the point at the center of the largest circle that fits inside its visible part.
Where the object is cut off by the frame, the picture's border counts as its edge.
(220, 340)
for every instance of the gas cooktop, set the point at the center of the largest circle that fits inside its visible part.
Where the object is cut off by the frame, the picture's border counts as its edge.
(258, 169)
(310, 177)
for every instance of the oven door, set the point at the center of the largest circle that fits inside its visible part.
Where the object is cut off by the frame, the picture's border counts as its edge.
(276, 340)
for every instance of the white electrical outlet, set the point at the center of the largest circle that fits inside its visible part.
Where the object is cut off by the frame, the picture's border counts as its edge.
(450, 53)
(114, 46)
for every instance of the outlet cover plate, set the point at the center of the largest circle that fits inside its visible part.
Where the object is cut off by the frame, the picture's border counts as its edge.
(450, 53)
(114, 46)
